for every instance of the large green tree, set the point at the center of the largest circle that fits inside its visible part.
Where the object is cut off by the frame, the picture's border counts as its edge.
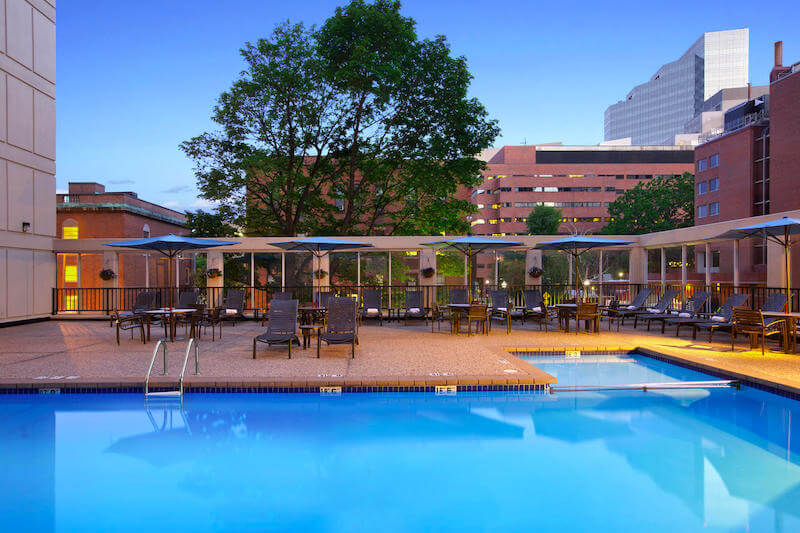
(209, 224)
(357, 127)
(660, 204)
(544, 220)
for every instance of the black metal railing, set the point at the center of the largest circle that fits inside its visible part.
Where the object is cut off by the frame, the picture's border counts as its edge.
(107, 300)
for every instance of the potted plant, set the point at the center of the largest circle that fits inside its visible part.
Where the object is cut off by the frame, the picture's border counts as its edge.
(428, 272)
(320, 274)
(213, 273)
(535, 272)
(107, 274)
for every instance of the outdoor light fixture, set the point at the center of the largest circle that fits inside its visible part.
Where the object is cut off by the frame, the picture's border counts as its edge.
(26, 227)
(586, 282)
(621, 274)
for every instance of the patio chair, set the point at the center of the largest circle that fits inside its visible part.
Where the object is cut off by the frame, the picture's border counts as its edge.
(535, 308)
(145, 301)
(623, 311)
(659, 309)
(439, 314)
(589, 313)
(414, 308)
(500, 309)
(187, 299)
(691, 310)
(323, 298)
(210, 318)
(720, 318)
(752, 323)
(457, 296)
(372, 305)
(341, 326)
(774, 302)
(477, 314)
(233, 305)
(281, 326)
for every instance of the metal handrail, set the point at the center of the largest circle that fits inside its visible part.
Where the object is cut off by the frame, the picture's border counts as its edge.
(160, 343)
(192, 342)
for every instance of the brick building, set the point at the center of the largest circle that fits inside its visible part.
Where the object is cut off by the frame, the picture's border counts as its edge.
(87, 211)
(753, 167)
(579, 180)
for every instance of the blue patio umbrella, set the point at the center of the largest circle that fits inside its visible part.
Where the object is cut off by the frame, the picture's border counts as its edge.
(576, 245)
(471, 246)
(319, 246)
(170, 245)
(778, 231)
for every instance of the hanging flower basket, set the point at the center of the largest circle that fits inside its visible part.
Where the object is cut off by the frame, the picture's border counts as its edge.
(535, 272)
(107, 274)
(428, 272)
(213, 273)
(320, 274)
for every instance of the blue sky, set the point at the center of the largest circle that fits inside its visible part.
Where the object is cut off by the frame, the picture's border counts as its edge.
(135, 79)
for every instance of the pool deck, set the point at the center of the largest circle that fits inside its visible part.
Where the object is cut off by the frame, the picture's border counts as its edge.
(82, 354)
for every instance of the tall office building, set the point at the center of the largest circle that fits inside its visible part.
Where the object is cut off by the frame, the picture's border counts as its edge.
(654, 112)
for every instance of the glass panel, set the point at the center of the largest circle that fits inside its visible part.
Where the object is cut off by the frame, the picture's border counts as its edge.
(200, 275)
(450, 268)
(654, 265)
(236, 267)
(298, 276)
(67, 278)
(483, 268)
(344, 269)
(511, 270)
(673, 259)
(405, 268)
(374, 268)
(616, 264)
(158, 265)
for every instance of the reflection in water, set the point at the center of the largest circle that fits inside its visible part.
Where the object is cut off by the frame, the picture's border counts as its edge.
(607, 461)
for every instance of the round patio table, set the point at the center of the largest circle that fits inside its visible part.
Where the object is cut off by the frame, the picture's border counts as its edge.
(789, 338)
(307, 330)
(170, 315)
(458, 311)
(565, 313)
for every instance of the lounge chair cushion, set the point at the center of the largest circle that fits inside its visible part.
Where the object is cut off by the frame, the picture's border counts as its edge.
(372, 311)
(537, 309)
(413, 309)
(632, 307)
(231, 311)
(654, 310)
(684, 315)
(502, 309)
(717, 318)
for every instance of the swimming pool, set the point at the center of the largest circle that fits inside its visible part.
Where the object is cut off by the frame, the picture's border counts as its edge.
(713, 460)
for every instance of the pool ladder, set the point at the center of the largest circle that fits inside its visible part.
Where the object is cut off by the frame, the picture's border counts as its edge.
(171, 393)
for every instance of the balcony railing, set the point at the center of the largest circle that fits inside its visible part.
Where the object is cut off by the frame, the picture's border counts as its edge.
(107, 300)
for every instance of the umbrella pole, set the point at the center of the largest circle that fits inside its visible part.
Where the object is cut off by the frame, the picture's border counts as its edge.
(788, 266)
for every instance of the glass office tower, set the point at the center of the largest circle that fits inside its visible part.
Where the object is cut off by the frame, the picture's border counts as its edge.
(654, 112)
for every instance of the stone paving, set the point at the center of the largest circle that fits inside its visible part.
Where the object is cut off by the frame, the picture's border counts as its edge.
(85, 351)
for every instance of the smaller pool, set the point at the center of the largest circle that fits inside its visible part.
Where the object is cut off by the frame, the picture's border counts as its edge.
(619, 369)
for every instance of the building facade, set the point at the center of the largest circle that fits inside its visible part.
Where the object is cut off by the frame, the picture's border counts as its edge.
(753, 167)
(87, 211)
(27, 158)
(581, 181)
(656, 111)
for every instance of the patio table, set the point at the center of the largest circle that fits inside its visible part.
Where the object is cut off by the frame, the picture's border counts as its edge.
(170, 315)
(565, 313)
(307, 330)
(309, 314)
(789, 340)
(458, 312)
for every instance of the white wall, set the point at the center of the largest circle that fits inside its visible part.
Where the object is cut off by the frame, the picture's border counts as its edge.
(27, 157)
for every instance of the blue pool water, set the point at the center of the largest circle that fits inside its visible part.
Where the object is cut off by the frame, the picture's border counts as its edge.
(716, 460)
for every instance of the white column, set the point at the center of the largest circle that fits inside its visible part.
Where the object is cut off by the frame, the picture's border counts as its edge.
(600, 277)
(358, 268)
(466, 266)
(283, 271)
(684, 274)
(496, 268)
(663, 266)
(147, 271)
(708, 265)
(736, 279)
(389, 258)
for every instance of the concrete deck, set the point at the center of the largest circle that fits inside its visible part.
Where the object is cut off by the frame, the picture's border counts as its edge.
(72, 353)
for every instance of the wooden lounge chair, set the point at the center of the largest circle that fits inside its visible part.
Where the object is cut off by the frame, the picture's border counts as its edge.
(752, 324)
(624, 311)
(659, 309)
(691, 310)
(720, 318)
(534, 308)
(281, 326)
(372, 305)
(341, 326)
(774, 302)
(233, 305)
(500, 309)
(478, 315)
(414, 307)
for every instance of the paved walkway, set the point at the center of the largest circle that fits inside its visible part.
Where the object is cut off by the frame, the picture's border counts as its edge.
(72, 351)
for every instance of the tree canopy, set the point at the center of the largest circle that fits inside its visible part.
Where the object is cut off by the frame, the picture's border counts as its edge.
(204, 224)
(660, 204)
(544, 220)
(357, 127)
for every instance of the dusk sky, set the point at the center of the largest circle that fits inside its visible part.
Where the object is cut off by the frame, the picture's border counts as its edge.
(135, 79)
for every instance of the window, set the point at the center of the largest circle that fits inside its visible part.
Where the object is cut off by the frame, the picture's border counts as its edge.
(70, 229)
(702, 211)
(146, 231)
(713, 161)
(480, 206)
(70, 274)
(702, 187)
(702, 165)
(713, 209)
(713, 185)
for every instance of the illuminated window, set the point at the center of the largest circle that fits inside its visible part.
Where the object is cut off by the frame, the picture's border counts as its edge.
(70, 232)
(70, 274)
(71, 302)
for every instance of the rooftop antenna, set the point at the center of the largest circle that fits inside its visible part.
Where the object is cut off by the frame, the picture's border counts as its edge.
(525, 140)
